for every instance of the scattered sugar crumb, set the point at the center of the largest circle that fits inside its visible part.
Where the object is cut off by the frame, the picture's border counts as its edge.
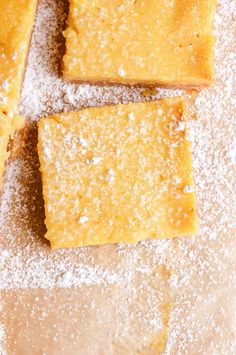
(204, 269)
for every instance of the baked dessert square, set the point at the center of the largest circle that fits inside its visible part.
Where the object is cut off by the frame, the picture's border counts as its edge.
(17, 19)
(140, 41)
(117, 174)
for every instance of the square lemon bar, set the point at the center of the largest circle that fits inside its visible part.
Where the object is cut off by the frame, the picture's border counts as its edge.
(168, 42)
(16, 24)
(117, 174)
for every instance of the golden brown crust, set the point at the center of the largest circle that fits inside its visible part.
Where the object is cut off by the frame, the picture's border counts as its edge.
(160, 84)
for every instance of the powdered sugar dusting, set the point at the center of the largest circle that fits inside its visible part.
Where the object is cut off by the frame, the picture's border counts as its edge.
(206, 279)
(2, 339)
(48, 92)
(204, 268)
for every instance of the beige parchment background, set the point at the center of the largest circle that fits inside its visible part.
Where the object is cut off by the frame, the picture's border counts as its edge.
(114, 299)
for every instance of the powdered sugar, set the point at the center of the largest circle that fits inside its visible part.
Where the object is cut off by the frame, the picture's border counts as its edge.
(204, 278)
(48, 92)
(2, 339)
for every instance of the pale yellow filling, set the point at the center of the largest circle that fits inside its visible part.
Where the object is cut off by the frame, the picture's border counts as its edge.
(140, 41)
(16, 24)
(117, 174)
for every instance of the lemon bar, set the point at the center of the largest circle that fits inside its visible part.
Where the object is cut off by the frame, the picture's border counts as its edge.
(117, 174)
(16, 19)
(140, 41)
